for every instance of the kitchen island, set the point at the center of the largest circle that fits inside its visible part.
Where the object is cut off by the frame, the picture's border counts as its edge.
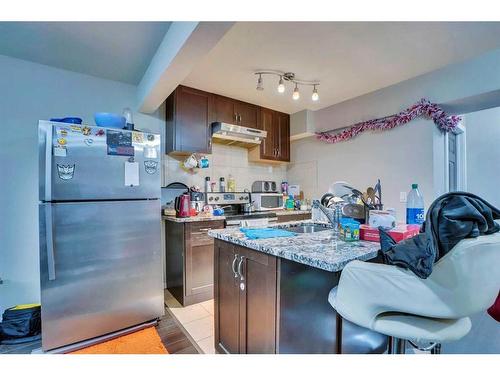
(271, 295)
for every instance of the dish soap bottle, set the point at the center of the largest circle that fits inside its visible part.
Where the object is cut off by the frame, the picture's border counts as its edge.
(415, 206)
(231, 184)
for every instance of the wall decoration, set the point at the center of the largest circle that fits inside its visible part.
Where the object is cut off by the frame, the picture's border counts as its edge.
(424, 108)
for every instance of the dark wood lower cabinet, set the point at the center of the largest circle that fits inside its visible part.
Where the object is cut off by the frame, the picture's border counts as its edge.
(294, 217)
(265, 304)
(190, 257)
(245, 300)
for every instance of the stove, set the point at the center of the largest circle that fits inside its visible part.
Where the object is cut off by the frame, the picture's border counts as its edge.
(233, 204)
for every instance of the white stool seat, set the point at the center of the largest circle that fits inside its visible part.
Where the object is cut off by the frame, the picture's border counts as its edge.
(420, 329)
(395, 302)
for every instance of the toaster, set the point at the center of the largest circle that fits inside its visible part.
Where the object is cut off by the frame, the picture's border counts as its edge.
(264, 187)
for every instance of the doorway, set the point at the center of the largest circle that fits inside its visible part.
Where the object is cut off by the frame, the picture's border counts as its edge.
(455, 159)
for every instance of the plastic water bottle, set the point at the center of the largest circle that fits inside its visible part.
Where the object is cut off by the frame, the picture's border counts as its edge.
(415, 206)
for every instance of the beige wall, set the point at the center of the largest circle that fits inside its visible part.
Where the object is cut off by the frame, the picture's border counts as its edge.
(398, 157)
(483, 154)
(224, 160)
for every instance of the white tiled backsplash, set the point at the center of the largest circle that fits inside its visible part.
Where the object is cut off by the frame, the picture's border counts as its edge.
(224, 160)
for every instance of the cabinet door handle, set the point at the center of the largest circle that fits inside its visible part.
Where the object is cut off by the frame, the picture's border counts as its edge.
(233, 266)
(240, 268)
(239, 118)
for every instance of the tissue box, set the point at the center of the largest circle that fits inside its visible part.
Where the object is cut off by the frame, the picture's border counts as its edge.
(399, 233)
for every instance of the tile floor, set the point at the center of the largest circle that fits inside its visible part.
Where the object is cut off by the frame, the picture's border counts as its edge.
(197, 320)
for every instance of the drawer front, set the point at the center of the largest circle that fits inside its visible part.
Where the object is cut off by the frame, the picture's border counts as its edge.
(197, 232)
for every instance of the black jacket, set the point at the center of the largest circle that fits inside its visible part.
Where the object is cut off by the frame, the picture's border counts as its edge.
(451, 218)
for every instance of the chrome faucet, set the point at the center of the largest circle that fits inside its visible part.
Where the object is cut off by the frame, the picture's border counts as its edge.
(333, 215)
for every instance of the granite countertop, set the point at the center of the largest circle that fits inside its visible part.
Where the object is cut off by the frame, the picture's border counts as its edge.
(313, 249)
(192, 218)
(294, 212)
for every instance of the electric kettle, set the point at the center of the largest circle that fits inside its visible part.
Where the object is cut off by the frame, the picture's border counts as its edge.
(182, 205)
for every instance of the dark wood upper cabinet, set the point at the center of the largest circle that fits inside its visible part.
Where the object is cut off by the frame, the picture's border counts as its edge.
(247, 114)
(283, 136)
(245, 300)
(189, 115)
(224, 110)
(268, 145)
(236, 112)
(191, 112)
(276, 146)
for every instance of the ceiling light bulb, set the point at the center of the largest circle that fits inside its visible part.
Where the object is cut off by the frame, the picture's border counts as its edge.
(315, 96)
(259, 83)
(296, 94)
(281, 86)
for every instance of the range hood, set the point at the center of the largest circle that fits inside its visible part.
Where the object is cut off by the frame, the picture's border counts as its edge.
(235, 135)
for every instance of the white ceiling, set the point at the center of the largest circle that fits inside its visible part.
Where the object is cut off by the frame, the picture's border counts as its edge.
(120, 51)
(350, 58)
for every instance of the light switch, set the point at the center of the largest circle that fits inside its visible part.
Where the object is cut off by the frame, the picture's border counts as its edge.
(402, 196)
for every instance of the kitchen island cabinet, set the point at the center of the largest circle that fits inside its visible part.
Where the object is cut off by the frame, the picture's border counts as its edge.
(271, 296)
(245, 300)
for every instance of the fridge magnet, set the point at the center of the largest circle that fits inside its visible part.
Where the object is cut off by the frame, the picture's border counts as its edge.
(88, 141)
(99, 132)
(119, 143)
(86, 130)
(151, 166)
(137, 137)
(63, 132)
(62, 141)
(65, 172)
(60, 151)
(151, 137)
(150, 152)
(76, 129)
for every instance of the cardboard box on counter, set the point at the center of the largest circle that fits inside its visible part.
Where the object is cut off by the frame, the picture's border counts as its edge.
(399, 233)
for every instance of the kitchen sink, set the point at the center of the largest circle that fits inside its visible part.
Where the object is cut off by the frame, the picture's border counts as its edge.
(307, 228)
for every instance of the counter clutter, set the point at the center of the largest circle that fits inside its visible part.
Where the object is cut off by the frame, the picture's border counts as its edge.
(317, 249)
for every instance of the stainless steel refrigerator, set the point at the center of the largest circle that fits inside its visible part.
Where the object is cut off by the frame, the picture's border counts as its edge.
(100, 261)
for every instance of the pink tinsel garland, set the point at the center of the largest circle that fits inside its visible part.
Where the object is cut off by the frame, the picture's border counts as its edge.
(423, 108)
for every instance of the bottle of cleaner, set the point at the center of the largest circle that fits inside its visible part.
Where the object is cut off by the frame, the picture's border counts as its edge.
(415, 206)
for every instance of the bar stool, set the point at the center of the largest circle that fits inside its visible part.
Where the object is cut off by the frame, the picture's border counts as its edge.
(395, 302)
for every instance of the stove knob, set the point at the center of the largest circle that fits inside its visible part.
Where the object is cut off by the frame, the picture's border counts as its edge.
(241, 198)
(211, 198)
(216, 198)
(246, 198)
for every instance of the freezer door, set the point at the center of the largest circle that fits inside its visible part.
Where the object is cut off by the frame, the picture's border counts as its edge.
(79, 162)
(100, 268)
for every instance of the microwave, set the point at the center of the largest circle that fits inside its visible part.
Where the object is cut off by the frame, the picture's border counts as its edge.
(267, 201)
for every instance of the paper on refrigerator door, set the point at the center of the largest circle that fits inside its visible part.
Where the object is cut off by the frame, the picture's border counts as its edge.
(131, 174)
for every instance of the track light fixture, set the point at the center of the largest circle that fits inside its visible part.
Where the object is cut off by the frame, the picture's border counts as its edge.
(281, 86)
(260, 87)
(315, 96)
(296, 94)
(289, 77)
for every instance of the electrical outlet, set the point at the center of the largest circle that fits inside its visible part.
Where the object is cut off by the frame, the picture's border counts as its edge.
(402, 196)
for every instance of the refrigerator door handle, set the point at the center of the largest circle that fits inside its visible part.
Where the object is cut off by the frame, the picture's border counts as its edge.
(48, 164)
(49, 232)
